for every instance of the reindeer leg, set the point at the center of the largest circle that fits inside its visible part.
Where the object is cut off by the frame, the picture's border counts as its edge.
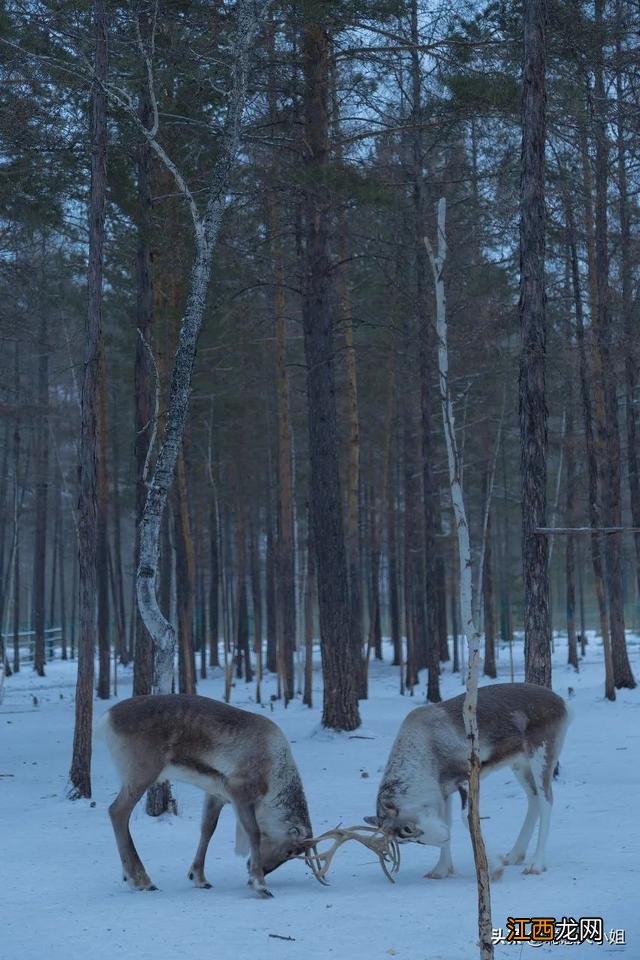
(247, 816)
(120, 812)
(210, 816)
(518, 852)
(444, 866)
(543, 762)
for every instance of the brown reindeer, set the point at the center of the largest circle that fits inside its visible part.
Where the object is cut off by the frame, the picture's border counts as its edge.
(235, 756)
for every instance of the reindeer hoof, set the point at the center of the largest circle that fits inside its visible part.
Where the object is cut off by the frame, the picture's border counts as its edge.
(143, 884)
(511, 859)
(496, 873)
(200, 881)
(263, 892)
(438, 874)
(533, 871)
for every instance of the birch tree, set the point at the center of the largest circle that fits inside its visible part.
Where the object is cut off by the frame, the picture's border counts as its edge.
(469, 626)
(206, 228)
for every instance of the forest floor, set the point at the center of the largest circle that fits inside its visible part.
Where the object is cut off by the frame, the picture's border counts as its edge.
(62, 894)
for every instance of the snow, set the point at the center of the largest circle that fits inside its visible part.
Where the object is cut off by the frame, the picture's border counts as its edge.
(60, 879)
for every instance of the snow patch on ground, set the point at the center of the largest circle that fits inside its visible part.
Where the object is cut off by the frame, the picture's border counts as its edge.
(60, 882)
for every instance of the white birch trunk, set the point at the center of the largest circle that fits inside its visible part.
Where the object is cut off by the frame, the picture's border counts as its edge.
(206, 229)
(466, 604)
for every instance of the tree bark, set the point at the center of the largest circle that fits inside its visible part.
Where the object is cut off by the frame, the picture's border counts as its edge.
(185, 579)
(489, 667)
(310, 597)
(414, 571)
(533, 409)
(144, 412)
(425, 339)
(628, 318)
(41, 498)
(592, 457)
(102, 544)
(214, 585)
(270, 589)
(470, 628)
(610, 438)
(120, 617)
(340, 704)
(394, 599)
(80, 774)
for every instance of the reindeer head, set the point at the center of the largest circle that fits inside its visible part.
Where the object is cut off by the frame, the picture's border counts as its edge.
(276, 850)
(285, 825)
(408, 819)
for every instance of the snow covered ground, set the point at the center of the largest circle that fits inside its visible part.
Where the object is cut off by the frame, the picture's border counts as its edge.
(62, 894)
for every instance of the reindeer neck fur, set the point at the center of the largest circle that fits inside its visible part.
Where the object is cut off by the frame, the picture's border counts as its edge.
(284, 804)
(411, 777)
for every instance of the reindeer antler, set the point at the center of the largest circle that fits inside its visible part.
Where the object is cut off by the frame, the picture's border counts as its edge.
(385, 847)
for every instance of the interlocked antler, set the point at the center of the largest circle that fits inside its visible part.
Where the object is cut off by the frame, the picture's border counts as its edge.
(384, 846)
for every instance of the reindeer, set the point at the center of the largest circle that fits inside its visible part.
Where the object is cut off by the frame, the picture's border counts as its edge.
(235, 756)
(520, 724)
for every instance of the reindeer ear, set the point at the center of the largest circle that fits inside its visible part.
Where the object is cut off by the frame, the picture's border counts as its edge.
(374, 821)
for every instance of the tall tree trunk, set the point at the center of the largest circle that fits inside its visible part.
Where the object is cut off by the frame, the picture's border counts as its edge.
(533, 409)
(351, 431)
(41, 497)
(118, 573)
(185, 579)
(206, 230)
(489, 667)
(16, 515)
(610, 439)
(270, 590)
(243, 657)
(441, 600)
(80, 774)
(628, 317)
(310, 596)
(102, 545)
(214, 584)
(74, 603)
(340, 706)
(455, 625)
(572, 654)
(394, 599)
(145, 424)
(51, 620)
(506, 628)
(375, 625)
(256, 606)
(285, 558)
(425, 339)
(284, 552)
(592, 457)
(414, 546)
(63, 590)
(470, 706)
